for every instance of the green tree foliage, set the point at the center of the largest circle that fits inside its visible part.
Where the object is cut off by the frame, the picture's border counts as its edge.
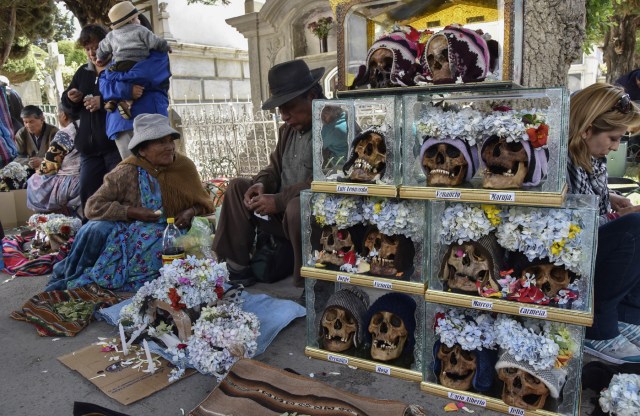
(89, 11)
(74, 57)
(598, 20)
(23, 21)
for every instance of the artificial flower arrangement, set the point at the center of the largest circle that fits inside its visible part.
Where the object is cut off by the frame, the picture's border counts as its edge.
(13, 176)
(442, 123)
(622, 397)
(539, 233)
(464, 222)
(393, 217)
(55, 224)
(339, 210)
(471, 329)
(222, 332)
(321, 27)
(543, 345)
(515, 126)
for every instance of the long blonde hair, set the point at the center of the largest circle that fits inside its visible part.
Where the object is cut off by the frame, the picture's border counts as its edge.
(594, 107)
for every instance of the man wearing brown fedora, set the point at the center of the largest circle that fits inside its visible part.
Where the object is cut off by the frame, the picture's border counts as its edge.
(270, 200)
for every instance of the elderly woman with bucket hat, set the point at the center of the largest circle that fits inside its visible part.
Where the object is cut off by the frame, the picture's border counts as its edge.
(270, 200)
(120, 248)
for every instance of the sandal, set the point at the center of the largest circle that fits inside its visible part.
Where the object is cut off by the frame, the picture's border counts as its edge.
(124, 110)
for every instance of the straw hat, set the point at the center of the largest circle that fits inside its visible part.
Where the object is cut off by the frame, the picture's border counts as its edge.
(121, 13)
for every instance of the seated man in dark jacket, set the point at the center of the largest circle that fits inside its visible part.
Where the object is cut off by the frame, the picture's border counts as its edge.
(270, 200)
(32, 141)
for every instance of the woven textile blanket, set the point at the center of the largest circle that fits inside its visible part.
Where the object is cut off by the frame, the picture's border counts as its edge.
(65, 312)
(254, 388)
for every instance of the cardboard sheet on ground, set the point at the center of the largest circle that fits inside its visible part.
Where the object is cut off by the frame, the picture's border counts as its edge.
(124, 384)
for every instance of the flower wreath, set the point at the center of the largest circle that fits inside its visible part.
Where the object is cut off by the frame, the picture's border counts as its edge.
(55, 224)
(470, 329)
(342, 211)
(13, 176)
(622, 397)
(184, 284)
(462, 222)
(395, 217)
(541, 344)
(516, 126)
(221, 334)
(465, 124)
(537, 233)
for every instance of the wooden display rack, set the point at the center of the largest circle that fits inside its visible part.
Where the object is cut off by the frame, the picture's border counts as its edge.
(414, 288)
(485, 196)
(352, 188)
(487, 402)
(368, 365)
(527, 310)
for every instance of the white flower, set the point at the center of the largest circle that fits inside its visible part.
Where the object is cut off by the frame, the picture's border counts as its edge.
(394, 217)
(55, 224)
(622, 398)
(16, 174)
(462, 223)
(470, 329)
(340, 210)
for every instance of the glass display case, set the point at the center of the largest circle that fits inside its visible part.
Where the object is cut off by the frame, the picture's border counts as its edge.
(369, 241)
(529, 261)
(514, 365)
(486, 146)
(371, 329)
(356, 146)
(362, 23)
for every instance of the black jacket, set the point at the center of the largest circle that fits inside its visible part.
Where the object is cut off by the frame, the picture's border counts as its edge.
(92, 136)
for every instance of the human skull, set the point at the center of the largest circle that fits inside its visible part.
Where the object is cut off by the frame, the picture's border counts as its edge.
(506, 164)
(370, 158)
(335, 244)
(338, 329)
(467, 264)
(522, 389)
(458, 367)
(445, 165)
(389, 335)
(438, 59)
(549, 277)
(381, 250)
(380, 67)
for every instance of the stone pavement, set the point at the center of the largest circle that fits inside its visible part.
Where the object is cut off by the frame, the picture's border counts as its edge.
(34, 382)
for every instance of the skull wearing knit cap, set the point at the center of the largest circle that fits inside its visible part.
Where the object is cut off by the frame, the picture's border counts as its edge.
(448, 161)
(391, 61)
(343, 322)
(456, 52)
(392, 325)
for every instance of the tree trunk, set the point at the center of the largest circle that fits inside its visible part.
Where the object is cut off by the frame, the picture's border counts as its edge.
(553, 34)
(94, 11)
(7, 41)
(619, 46)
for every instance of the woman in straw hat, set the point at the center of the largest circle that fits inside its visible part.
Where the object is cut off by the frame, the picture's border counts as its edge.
(120, 248)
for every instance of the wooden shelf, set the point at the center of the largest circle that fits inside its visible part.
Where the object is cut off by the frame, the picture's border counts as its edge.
(351, 188)
(414, 288)
(487, 196)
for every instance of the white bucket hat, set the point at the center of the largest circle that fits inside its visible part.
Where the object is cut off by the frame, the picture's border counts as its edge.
(150, 127)
(121, 13)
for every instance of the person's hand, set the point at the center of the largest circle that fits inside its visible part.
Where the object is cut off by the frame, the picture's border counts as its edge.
(254, 190)
(92, 103)
(629, 210)
(264, 204)
(143, 214)
(34, 162)
(136, 91)
(619, 202)
(183, 219)
(74, 95)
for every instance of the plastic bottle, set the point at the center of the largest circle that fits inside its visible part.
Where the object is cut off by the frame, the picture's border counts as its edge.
(171, 250)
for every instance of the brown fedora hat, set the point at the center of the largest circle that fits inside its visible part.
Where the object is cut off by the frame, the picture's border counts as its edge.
(288, 80)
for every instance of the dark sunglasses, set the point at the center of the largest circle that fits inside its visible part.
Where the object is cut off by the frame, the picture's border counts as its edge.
(623, 105)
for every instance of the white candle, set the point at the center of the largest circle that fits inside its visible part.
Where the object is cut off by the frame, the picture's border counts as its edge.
(123, 340)
(151, 368)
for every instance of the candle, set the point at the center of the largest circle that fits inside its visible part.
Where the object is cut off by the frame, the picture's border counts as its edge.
(123, 340)
(151, 368)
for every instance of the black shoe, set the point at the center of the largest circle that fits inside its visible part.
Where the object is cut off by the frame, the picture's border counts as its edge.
(244, 278)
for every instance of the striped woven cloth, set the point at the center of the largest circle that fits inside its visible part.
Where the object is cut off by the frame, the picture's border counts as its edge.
(18, 262)
(65, 312)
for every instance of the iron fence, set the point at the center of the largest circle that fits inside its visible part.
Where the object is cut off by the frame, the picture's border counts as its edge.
(226, 139)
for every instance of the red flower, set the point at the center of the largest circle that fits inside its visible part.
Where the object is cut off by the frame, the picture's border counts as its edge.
(439, 315)
(65, 229)
(502, 108)
(175, 299)
(182, 346)
(219, 291)
(538, 137)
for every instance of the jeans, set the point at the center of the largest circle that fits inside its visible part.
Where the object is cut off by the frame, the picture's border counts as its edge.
(616, 287)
